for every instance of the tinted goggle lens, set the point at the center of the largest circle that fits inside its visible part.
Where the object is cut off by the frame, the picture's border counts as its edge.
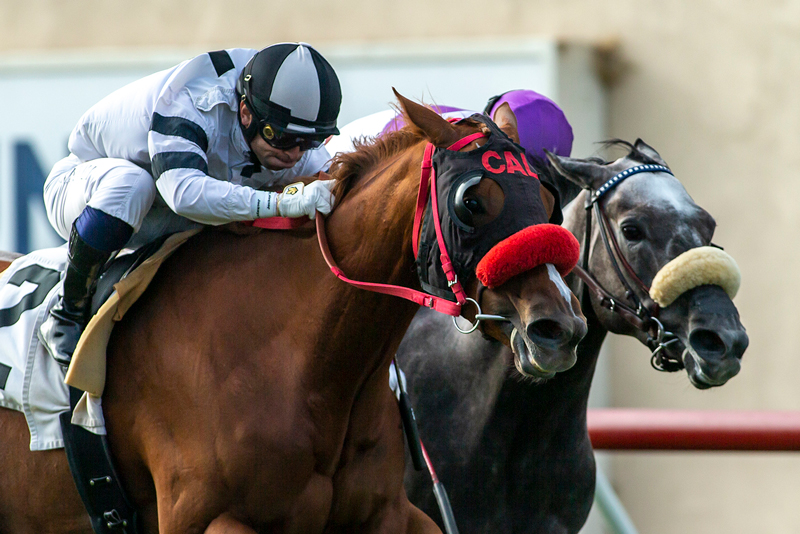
(287, 140)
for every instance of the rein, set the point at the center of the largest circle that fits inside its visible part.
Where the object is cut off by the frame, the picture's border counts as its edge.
(427, 184)
(644, 314)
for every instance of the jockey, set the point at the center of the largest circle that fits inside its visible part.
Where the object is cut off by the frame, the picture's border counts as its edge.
(193, 145)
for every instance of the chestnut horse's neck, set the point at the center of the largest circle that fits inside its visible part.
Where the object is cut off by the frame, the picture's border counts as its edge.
(369, 235)
(370, 230)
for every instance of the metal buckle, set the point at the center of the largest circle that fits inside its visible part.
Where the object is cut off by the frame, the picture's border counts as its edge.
(478, 318)
(477, 321)
(658, 359)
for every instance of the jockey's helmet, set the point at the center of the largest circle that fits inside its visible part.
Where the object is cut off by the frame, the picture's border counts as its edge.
(293, 93)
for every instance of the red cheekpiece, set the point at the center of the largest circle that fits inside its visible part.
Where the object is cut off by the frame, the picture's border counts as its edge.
(529, 248)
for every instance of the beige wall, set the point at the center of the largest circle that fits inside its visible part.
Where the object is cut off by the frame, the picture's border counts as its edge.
(712, 84)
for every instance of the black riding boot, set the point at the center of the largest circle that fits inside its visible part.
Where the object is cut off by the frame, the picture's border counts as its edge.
(61, 330)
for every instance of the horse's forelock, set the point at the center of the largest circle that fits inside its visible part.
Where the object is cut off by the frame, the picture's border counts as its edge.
(633, 152)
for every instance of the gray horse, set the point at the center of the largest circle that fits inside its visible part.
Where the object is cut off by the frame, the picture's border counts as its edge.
(515, 454)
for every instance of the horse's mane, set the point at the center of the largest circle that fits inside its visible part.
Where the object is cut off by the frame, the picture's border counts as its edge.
(369, 151)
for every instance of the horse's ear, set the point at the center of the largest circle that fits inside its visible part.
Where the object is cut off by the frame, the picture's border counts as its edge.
(649, 151)
(586, 174)
(506, 120)
(427, 123)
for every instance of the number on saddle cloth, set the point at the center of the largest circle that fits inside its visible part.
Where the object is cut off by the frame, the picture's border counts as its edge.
(45, 279)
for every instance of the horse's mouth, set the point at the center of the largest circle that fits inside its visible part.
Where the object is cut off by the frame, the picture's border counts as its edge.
(698, 376)
(525, 357)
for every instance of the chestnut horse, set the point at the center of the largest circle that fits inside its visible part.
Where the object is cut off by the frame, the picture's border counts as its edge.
(6, 258)
(515, 454)
(247, 389)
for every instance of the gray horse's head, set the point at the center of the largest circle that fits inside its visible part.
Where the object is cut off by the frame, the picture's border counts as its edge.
(654, 221)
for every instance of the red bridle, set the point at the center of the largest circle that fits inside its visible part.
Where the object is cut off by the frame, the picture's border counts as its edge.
(427, 184)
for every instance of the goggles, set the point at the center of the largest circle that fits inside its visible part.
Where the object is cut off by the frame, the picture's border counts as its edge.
(282, 140)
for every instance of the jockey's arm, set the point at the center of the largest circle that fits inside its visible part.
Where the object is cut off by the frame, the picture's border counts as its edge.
(180, 167)
(201, 198)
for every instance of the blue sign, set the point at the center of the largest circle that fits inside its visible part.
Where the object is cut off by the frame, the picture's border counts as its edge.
(29, 176)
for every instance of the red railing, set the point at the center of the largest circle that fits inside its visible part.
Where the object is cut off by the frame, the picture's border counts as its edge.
(644, 429)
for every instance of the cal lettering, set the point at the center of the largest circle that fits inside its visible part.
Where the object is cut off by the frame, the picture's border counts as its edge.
(494, 155)
(512, 164)
(527, 168)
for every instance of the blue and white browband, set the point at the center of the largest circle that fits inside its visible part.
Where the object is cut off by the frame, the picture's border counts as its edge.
(606, 187)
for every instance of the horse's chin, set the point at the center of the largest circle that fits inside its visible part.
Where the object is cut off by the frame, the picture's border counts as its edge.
(525, 357)
(697, 375)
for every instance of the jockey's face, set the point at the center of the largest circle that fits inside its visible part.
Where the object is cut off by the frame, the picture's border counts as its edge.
(273, 158)
(270, 157)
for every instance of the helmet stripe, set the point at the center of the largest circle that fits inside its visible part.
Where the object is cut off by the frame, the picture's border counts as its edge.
(303, 100)
(263, 72)
(329, 103)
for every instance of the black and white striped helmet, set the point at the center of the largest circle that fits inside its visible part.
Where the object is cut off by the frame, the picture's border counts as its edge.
(292, 87)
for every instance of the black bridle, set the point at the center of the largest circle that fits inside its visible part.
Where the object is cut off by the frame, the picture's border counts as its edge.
(643, 313)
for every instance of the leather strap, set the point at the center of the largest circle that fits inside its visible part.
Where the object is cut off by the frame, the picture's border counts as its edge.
(422, 195)
(608, 301)
(423, 299)
(279, 223)
(427, 183)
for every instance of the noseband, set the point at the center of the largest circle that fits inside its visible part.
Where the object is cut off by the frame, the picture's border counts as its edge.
(643, 314)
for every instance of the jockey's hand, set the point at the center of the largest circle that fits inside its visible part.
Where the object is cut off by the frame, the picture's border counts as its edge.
(298, 200)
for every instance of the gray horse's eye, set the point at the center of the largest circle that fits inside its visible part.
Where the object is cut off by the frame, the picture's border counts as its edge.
(632, 232)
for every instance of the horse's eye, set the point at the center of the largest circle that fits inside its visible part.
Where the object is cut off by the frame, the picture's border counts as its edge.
(475, 200)
(632, 233)
(473, 205)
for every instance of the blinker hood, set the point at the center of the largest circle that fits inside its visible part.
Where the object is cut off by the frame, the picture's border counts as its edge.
(501, 160)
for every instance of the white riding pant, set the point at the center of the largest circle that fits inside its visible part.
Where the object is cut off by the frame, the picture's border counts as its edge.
(114, 186)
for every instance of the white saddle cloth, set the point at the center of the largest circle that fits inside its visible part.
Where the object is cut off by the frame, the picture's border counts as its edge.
(30, 380)
(34, 382)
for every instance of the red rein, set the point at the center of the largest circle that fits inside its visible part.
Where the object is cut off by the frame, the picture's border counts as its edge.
(535, 245)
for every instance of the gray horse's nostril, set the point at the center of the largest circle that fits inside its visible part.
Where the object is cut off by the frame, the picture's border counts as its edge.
(547, 332)
(707, 342)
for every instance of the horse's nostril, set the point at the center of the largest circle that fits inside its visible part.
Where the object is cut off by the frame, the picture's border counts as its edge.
(706, 342)
(547, 330)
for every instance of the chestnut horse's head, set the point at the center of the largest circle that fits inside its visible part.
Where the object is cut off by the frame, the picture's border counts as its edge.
(493, 217)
